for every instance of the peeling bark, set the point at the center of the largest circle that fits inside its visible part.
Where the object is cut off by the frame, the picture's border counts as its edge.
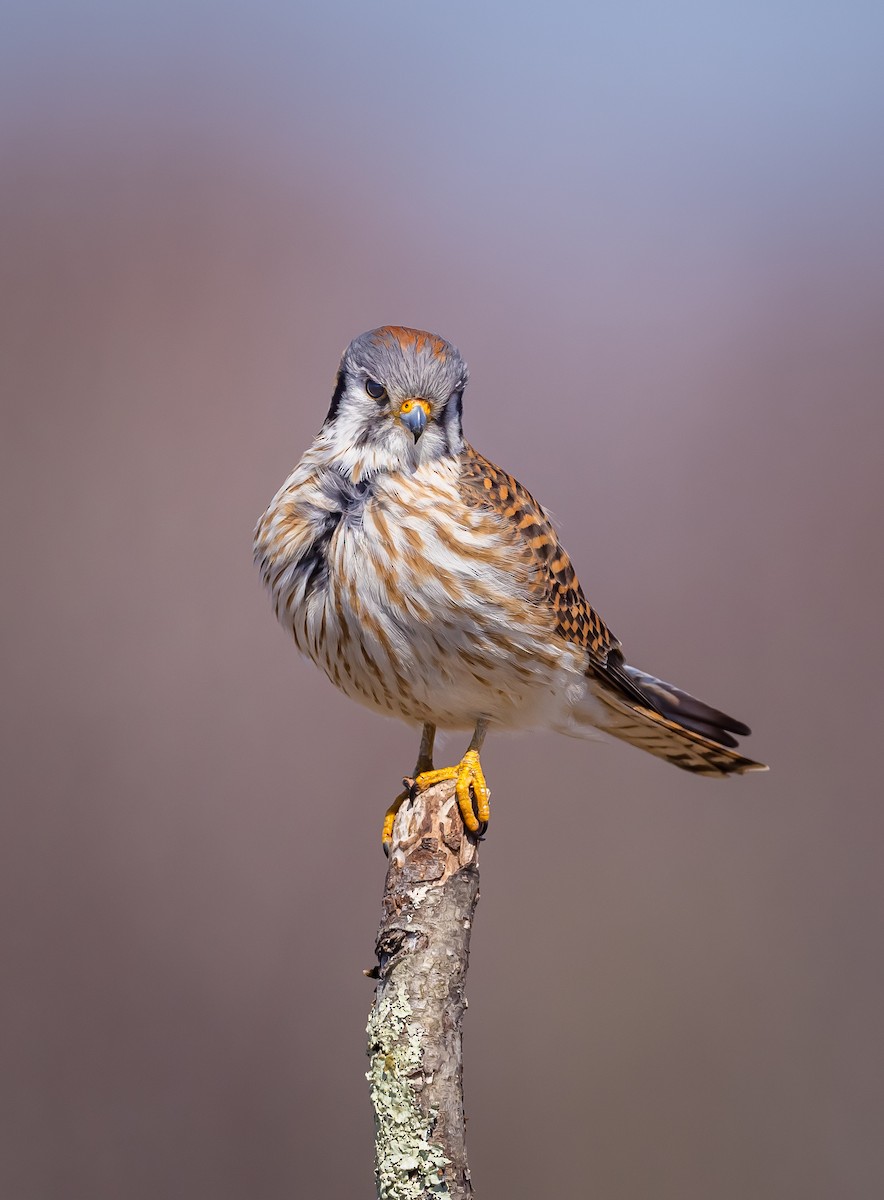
(414, 1028)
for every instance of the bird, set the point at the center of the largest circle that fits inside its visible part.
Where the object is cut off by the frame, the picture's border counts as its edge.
(428, 584)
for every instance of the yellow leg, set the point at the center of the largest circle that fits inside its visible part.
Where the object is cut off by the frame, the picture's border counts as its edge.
(424, 763)
(470, 778)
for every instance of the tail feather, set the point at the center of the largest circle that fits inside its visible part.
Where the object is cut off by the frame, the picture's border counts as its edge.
(687, 710)
(676, 726)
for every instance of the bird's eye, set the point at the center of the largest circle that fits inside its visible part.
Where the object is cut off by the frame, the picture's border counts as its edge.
(376, 390)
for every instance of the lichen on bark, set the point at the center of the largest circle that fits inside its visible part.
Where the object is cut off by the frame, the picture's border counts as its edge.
(407, 1164)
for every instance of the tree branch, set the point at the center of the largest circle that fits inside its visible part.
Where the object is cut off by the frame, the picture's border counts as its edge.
(414, 1028)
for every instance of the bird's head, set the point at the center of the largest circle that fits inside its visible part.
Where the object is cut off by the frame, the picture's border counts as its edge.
(397, 402)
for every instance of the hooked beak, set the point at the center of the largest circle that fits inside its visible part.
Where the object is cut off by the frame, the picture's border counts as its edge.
(414, 415)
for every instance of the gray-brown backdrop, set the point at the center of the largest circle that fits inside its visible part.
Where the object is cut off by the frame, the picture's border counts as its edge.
(656, 234)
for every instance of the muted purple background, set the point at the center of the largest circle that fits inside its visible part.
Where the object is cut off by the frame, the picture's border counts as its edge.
(656, 234)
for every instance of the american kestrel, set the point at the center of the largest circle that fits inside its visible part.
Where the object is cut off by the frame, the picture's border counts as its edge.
(430, 585)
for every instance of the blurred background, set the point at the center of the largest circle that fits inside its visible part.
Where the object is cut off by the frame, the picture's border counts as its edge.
(655, 232)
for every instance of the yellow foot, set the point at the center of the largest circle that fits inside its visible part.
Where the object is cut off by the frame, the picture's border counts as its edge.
(470, 778)
(390, 818)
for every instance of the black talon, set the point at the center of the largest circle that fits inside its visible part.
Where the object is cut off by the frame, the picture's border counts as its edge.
(479, 834)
